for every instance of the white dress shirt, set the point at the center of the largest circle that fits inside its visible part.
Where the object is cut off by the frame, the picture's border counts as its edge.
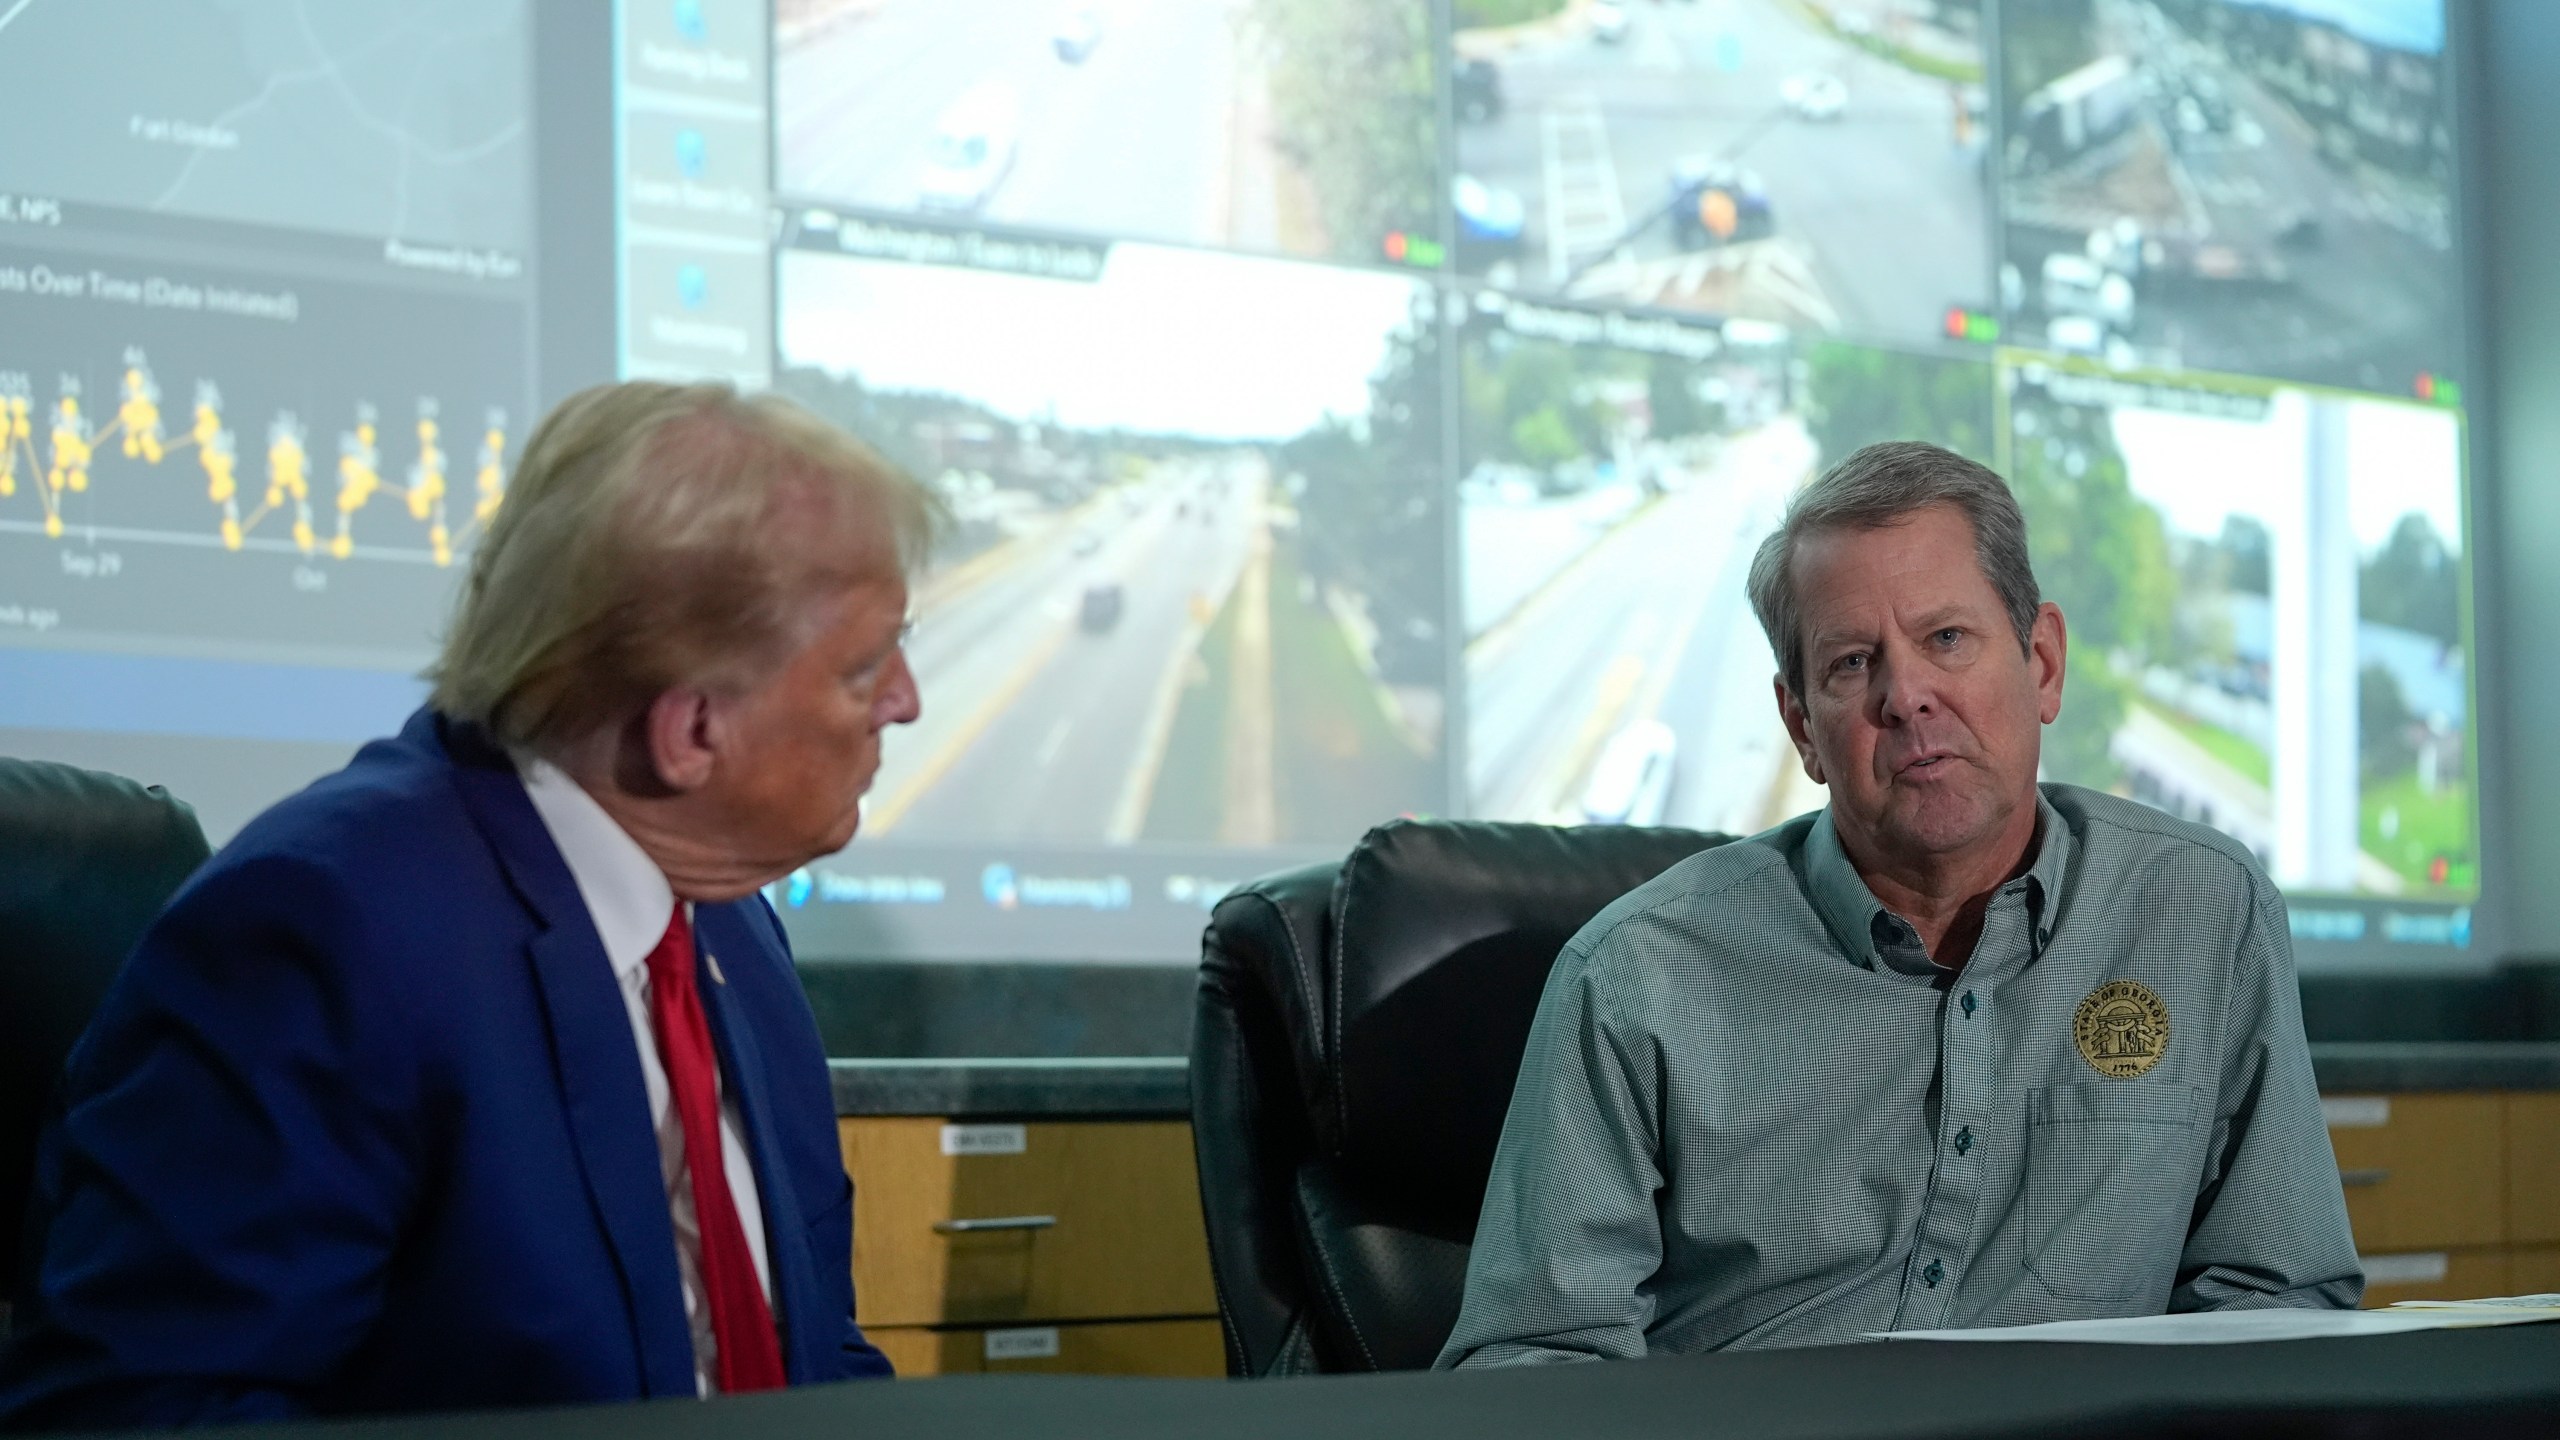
(630, 901)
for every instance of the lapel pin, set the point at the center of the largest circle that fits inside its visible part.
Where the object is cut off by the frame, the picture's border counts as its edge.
(713, 961)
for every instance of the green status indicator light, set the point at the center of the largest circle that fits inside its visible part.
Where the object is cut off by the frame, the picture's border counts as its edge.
(1414, 250)
(1967, 325)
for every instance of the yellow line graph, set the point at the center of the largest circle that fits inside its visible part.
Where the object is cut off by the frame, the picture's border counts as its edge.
(137, 433)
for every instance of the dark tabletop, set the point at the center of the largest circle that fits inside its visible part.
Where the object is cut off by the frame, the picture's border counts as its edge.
(2497, 1383)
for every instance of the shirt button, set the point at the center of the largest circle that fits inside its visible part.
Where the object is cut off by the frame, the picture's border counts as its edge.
(1968, 1003)
(1964, 1140)
(1935, 1273)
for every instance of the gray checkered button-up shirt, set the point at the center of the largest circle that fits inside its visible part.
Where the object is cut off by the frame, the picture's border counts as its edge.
(1754, 1113)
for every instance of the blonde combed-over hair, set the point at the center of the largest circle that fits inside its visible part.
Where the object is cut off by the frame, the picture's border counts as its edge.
(659, 536)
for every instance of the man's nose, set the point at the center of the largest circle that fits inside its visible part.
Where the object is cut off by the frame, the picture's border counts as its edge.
(900, 699)
(1909, 689)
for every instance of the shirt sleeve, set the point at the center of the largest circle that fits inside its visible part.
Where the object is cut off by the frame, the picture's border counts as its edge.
(2270, 1224)
(1570, 1234)
(225, 1188)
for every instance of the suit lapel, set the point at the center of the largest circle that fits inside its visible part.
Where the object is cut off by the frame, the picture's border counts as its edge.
(606, 1101)
(725, 939)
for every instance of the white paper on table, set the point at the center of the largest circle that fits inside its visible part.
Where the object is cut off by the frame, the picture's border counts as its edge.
(2548, 1305)
(2236, 1327)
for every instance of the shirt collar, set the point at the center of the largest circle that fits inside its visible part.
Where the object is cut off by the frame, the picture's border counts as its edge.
(627, 895)
(1873, 936)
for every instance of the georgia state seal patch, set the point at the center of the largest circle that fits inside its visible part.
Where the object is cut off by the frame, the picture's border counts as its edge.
(2122, 1029)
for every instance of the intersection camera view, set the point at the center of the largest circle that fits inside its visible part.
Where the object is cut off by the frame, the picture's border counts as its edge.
(2261, 187)
(1820, 166)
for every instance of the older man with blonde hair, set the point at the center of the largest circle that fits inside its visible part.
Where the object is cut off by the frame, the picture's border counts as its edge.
(477, 1074)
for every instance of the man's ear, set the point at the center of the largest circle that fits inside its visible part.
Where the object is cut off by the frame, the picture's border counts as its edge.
(677, 734)
(2048, 653)
(1791, 711)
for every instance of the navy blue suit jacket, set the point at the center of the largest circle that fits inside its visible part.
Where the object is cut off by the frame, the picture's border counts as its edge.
(361, 1128)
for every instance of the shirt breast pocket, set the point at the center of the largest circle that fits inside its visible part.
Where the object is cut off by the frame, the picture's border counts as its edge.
(2111, 1185)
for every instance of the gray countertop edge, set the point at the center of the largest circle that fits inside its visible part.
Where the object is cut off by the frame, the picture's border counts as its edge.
(2446, 1065)
(1138, 1086)
(1159, 1087)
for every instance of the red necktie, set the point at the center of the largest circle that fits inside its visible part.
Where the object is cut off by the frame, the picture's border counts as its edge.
(741, 1323)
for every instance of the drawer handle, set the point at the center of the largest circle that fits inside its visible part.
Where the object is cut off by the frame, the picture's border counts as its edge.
(1000, 1222)
(2359, 1179)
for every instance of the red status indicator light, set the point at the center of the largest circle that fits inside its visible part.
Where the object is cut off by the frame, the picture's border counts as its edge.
(1409, 249)
(2437, 389)
(1963, 324)
(2426, 385)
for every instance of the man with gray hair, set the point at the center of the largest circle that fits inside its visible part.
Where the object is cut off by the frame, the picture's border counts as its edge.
(1955, 1050)
(477, 1074)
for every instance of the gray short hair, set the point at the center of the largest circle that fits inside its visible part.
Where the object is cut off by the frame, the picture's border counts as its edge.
(1881, 485)
(658, 536)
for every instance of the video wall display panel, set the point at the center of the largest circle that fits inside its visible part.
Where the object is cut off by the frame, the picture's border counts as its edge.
(1291, 127)
(1348, 409)
(2259, 187)
(267, 339)
(1824, 167)
(2267, 587)
(1363, 408)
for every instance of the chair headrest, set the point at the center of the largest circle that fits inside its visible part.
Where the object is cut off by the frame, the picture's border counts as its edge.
(86, 860)
(1443, 933)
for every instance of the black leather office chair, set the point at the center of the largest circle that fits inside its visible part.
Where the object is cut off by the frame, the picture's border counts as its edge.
(86, 860)
(1358, 1030)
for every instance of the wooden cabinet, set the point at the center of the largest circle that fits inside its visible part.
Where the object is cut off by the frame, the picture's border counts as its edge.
(2533, 1168)
(2452, 1196)
(2534, 1270)
(2422, 1172)
(978, 1229)
(2435, 1275)
(1191, 1348)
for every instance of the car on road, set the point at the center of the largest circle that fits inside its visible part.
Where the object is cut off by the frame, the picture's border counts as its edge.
(1713, 203)
(972, 149)
(1814, 96)
(2088, 335)
(1077, 34)
(1099, 611)
(1478, 90)
(1631, 782)
(2078, 285)
(1084, 543)
(1493, 222)
(1608, 21)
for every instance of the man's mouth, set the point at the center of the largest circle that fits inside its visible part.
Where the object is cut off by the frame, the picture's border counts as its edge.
(1927, 764)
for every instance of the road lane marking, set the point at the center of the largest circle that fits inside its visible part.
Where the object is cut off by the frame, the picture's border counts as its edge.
(1584, 210)
(1608, 703)
(882, 820)
(1138, 788)
(1048, 753)
(1251, 809)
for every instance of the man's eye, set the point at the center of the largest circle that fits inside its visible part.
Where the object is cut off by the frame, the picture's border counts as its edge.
(1851, 663)
(1950, 635)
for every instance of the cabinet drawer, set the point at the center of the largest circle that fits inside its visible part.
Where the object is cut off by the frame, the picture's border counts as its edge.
(2433, 1275)
(2421, 1171)
(1044, 1221)
(2534, 1270)
(1191, 1348)
(2533, 1167)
